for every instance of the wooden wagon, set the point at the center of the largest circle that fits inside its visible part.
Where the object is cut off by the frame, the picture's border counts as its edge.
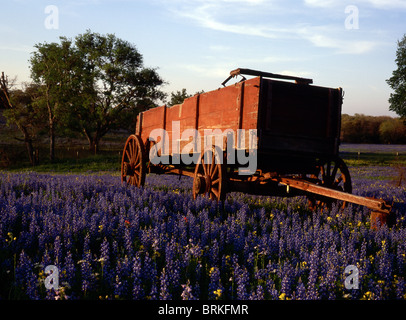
(271, 135)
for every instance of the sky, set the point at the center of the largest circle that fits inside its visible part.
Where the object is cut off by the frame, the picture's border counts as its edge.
(194, 44)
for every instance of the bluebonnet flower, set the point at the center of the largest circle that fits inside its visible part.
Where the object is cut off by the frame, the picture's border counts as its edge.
(58, 254)
(271, 288)
(86, 272)
(300, 293)
(164, 286)
(265, 245)
(215, 286)
(128, 242)
(122, 280)
(311, 292)
(187, 293)
(25, 277)
(241, 279)
(138, 291)
(69, 269)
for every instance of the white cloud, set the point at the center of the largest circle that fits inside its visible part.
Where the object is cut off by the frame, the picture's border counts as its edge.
(331, 35)
(205, 15)
(379, 4)
(322, 37)
(322, 3)
(387, 4)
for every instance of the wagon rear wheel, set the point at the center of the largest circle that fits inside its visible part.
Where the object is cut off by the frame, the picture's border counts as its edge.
(210, 175)
(332, 174)
(133, 162)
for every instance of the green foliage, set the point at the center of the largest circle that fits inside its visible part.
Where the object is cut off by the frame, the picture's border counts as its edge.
(116, 85)
(55, 69)
(397, 82)
(20, 110)
(23, 111)
(393, 131)
(93, 84)
(178, 97)
(361, 128)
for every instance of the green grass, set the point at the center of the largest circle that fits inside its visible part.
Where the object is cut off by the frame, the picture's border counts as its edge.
(93, 163)
(110, 162)
(373, 159)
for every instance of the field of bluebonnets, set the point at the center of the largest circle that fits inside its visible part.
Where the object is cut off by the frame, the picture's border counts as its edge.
(110, 241)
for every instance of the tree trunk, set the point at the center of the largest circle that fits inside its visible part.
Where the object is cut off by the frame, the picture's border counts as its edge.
(51, 141)
(93, 140)
(51, 123)
(28, 145)
(94, 146)
(30, 151)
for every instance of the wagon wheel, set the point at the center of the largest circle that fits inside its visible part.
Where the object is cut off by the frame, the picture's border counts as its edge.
(332, 174)
(210, 175)
(133, 162)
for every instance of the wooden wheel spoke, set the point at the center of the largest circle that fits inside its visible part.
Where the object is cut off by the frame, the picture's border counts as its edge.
(334, 173)
(215, 171)
(133, 156)
(339, 179)
(204, 167)
(200, 175)
(130, 148)
(213, 164)
(215, 192)
(128, 156)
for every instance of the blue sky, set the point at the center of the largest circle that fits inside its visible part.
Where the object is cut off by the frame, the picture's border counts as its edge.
(195, 43)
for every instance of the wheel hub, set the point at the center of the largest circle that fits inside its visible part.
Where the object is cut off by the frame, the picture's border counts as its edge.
(128, 169)
(200, 185)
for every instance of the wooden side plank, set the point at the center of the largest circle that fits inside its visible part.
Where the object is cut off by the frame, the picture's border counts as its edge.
(230, 108)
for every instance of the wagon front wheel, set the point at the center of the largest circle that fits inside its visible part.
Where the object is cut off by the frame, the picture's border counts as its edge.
(210, 175)
(133, 162)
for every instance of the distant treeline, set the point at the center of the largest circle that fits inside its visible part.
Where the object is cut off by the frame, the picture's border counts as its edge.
(361, 128)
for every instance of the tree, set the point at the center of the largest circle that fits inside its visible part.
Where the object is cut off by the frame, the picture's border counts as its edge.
(397, 82)
(115, 86)
(93, 85)
(178, 97)
(393, 131)
(21, 111)
(55, 69)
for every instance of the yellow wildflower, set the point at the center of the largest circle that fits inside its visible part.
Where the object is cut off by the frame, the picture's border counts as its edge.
(217, 293)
